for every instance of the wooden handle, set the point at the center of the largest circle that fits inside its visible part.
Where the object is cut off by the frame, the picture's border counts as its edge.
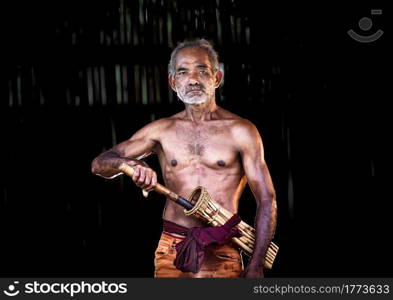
(128, 170)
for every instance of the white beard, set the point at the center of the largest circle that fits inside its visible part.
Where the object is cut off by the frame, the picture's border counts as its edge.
(192, 99)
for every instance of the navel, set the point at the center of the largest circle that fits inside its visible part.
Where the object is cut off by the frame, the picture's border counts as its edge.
(221, 163)
(173, 162)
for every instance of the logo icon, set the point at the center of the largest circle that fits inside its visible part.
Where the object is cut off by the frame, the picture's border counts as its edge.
(365, 24)
(12, 290)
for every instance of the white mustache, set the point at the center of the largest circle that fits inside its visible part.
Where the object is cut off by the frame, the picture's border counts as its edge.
(199, 89)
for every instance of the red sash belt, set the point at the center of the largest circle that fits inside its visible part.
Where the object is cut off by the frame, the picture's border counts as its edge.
(190, 251)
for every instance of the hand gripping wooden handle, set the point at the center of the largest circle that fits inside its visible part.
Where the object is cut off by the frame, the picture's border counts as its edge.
(126, 169)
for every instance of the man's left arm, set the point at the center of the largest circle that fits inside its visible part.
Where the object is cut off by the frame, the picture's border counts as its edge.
(250, 146)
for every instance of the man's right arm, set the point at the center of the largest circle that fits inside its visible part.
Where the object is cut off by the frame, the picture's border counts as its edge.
(107, 163)
(143, 143)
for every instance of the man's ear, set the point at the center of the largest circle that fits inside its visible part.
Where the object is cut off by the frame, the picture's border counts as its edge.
(171, 82)
(218, 78)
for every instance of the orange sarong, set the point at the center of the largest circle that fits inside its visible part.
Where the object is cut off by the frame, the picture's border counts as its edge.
(223, 261)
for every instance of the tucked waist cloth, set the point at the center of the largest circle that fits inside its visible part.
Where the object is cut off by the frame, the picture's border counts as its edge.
(219, 260)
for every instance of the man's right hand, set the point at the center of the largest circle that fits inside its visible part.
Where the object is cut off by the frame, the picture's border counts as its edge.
(145, 178)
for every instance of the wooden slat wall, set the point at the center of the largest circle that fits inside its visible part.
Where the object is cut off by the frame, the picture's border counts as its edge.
(116, 53)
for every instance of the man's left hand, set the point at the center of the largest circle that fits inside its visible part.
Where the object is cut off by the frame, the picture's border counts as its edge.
(252, 271)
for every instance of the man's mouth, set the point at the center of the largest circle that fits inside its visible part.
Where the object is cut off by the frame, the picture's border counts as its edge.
(195, 91)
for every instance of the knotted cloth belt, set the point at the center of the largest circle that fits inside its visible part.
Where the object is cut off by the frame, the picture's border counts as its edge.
(191, 251)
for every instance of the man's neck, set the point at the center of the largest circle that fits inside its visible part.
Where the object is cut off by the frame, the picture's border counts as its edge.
(201, 112)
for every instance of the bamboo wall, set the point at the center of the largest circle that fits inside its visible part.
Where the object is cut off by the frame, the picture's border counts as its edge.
(116, 52)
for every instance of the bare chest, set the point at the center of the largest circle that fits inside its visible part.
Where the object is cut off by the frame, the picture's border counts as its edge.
(210, 146)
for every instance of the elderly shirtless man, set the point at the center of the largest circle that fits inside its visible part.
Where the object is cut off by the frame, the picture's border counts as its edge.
(203, 145)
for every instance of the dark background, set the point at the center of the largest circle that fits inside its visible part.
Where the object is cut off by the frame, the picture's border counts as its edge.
(81, 76)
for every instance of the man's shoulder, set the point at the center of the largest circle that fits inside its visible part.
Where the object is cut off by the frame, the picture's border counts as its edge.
(177, 116)
(167, 122)
(243, 125)
(237, 122)
(243, 130)
(161, 124)
(155, 128)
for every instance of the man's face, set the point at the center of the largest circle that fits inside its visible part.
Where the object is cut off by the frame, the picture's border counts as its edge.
(194, 80)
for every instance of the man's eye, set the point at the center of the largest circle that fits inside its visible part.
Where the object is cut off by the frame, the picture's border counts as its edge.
(181, 73)
(203, 72)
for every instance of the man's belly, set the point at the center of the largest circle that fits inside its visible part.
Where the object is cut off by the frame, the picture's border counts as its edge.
(175, 213)
(226, 194)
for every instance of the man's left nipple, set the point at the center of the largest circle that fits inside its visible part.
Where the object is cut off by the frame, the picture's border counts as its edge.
(221, 163)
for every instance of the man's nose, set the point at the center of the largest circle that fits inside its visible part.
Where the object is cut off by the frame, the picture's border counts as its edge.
(193, 79)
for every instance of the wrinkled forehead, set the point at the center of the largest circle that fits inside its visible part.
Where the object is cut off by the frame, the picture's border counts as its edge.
(192, 57)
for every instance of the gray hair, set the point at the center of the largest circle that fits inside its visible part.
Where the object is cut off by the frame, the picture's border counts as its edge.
(199, 43)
